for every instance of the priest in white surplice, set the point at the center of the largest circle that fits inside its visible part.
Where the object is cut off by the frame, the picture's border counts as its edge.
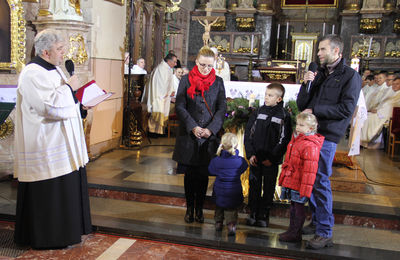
(157, 94)
(50, 152)
(371, 131)
(378, 93)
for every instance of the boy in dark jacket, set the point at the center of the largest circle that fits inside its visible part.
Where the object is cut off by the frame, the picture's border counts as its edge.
(266, 137)
(227, 166)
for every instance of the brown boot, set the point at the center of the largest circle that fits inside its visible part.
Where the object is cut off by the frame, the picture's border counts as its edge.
(294, 232)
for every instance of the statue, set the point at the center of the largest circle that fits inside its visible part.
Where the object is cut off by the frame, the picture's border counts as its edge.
(217, 4)
(66, 9)
(245, 4)
(373, 4)
(207, 29)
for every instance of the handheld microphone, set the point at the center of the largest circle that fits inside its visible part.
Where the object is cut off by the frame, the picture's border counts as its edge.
(313, 68)
(69, 65)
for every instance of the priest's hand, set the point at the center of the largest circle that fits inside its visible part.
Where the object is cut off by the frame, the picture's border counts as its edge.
(253, 160)
(74, 82)
(206, 133)
(198, 131)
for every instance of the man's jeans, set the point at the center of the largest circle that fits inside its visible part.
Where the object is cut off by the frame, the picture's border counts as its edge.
(321, 197)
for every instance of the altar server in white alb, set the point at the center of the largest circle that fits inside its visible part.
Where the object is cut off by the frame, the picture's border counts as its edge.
(50, 152)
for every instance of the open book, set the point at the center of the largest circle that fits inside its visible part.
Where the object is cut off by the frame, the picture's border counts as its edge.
(91, 94)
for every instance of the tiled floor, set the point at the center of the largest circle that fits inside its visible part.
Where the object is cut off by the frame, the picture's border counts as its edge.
(107, 247)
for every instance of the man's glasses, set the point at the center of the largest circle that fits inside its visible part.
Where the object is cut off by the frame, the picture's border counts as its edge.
(210, 66)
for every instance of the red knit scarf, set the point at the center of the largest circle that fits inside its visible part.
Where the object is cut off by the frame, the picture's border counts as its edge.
(199, 82)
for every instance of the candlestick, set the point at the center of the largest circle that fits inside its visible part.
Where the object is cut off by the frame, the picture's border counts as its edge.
(333, 29)
(252, 41)
(277, 33)
(370, 44)
(287, 30)
(323, 29)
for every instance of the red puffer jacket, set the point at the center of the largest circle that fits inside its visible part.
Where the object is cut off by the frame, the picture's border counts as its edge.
(301, 163)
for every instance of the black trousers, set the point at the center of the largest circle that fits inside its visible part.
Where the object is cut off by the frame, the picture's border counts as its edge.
(262, 182)
(196, 183)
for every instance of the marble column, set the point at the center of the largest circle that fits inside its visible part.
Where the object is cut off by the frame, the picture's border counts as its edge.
(263, 25)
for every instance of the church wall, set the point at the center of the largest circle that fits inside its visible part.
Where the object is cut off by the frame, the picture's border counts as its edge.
(108, 35)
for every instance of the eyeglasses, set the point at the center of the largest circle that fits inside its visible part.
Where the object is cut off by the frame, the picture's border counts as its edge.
(210, 66)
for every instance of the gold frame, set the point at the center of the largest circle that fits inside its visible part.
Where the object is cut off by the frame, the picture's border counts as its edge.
(292, 6)
(119, 2)
(17, 36)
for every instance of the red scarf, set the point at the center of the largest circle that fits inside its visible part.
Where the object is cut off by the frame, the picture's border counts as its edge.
(199, 82)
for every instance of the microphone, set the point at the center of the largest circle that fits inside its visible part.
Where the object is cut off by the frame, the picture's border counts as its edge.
(69, 65)
(313, 68)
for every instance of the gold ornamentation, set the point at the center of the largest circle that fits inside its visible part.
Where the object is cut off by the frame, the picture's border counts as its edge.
(17, 37)
(6, 129)
(246, 50)
(219, 26)
(120, 2)
(370, 25)
(396, 25)
(220, 48)
(175, 6)
(77, 51)
(76, 5)
(263, 7)
(278, 76)
(246, 24)
(352, 7)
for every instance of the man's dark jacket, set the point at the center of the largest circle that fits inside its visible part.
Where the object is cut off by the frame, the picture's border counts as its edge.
(332, 98)
(190, 150)
(268, 133)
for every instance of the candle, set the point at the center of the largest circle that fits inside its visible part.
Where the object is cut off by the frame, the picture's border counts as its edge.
(333, 29)
(370, 44)
(252, 42)
(277, 33)
(287, 30)
(323, 29)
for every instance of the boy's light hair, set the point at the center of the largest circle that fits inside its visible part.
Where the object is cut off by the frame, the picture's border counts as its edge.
(278, 87)
(309, 119)
(229, 143)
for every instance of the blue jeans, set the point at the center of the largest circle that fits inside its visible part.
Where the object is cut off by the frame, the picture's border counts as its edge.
(321, 197)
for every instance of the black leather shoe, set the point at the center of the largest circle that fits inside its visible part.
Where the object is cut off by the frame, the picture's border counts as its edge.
(199, 216)
(318, 242)
(309, 229)
(251, 219)
(218, 226)
(189, 218)
(231, 229)
(262, 223)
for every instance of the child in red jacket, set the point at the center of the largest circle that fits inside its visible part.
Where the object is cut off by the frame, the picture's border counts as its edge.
(299, 171)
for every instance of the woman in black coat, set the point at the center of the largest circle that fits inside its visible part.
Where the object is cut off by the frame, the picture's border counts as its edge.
(200, 107)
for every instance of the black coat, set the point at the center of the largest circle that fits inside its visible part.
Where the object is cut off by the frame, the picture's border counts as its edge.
(190, 150)
(268, 133)
(332, 99)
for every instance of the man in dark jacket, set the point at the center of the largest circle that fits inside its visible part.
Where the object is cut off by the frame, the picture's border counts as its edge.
(332, 98)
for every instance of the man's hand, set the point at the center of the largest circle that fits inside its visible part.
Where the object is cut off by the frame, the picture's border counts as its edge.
(373, 110)
(74, 82)
(267, 163)
(206, 133)
(172, 94)
(253, 160)
(307, 110)
(198, 131)
(309, 75)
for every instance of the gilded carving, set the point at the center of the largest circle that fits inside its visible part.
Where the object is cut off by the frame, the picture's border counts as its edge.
(16, 36)
(6, 129)
(77, 51)
(245, 24)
